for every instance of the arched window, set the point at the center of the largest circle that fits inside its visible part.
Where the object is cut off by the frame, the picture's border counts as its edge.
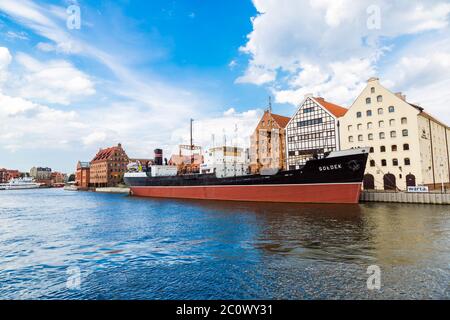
(358, 114)
(389, 182)
(395, 162)
(369, 182)
(404, 121)
(350, 139)
(369, 113)
(370, 136)
(392, 122)
(405, 132)
(349, 128)
(380, 98)
(407, 162)
(406, 147)
(368, 100)
(382, 149)
(372, 163)
(393, 134)
(384, 163)
(382, 135)
(391, 109)
(381, 124)
(359, 126)
(394, 147)
(371, 150)
(372, 90)
(360, 137)
(369, 125)
(380, 110)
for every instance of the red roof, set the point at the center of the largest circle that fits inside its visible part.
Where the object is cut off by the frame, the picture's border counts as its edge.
(281, 120)
(104, 154)
(336, 110)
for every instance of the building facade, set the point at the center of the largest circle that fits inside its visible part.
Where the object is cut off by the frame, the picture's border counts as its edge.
(6, 175)
(40, 173)
(108, 167)
(408, 146)
(312, 131)
(268, 143)
(82, 176)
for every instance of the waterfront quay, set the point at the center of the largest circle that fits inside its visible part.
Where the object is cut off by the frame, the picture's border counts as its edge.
(85, 245)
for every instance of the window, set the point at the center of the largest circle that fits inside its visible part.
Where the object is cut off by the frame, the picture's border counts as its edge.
(394, 147)
(382, 149)
(405, 132)
(369, 125)
(372, 90)
(371, 150)
(381, 124)
(406, 147)
(382, 135)
(370, 136)
(391, 109)
(349, 128)
(407, 162)
(360, 137)
(395, 162)
(308, 110)
(358, 114)
(380, 110)
(359, 126)
(380, 99)
(369, 113)
(404, 121)
(383, 163)
(372, 163)
(393, 134)
(392, 122)
(350, 139)
(311, 122)
(368, 100)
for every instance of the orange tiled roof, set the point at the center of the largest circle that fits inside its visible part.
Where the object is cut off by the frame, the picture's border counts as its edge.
(336, 110)
(104, 154)
(281, 120)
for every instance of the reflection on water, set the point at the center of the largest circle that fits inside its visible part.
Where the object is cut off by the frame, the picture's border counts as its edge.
(129, 248)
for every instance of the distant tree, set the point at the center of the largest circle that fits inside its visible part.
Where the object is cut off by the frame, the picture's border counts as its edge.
(71, 178)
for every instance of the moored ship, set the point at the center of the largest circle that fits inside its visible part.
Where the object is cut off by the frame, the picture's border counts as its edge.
(20, 184)
(335, 178)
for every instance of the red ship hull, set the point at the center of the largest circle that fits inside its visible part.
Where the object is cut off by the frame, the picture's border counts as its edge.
(292, 193)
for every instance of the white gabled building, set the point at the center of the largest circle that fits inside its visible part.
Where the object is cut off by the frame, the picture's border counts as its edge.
(409, 147)
(312, 131)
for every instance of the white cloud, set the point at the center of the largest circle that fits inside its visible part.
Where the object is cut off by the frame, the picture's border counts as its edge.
(94, 138)
(325, 47)
(55, 81)
(5, 60)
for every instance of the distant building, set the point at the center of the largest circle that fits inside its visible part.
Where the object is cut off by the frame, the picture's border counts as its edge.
(312, 131)
(82, 176)
(225, 161)
(58, 178)
(268, 143)
(408, 146)
(108, 167)
(41, 173)
(178, 160)
(6, 175)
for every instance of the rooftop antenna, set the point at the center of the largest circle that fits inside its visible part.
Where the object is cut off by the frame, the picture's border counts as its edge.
(192, 144)
(270, 104)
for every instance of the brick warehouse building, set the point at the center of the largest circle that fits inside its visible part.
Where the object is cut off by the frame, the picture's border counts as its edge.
(82, 179)
(6, 175)
(108, 167)
(267, 143)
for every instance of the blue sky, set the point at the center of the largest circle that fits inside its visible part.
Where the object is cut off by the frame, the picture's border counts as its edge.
(136, 71)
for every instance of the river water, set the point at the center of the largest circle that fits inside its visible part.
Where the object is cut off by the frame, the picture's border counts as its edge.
(57, 244)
